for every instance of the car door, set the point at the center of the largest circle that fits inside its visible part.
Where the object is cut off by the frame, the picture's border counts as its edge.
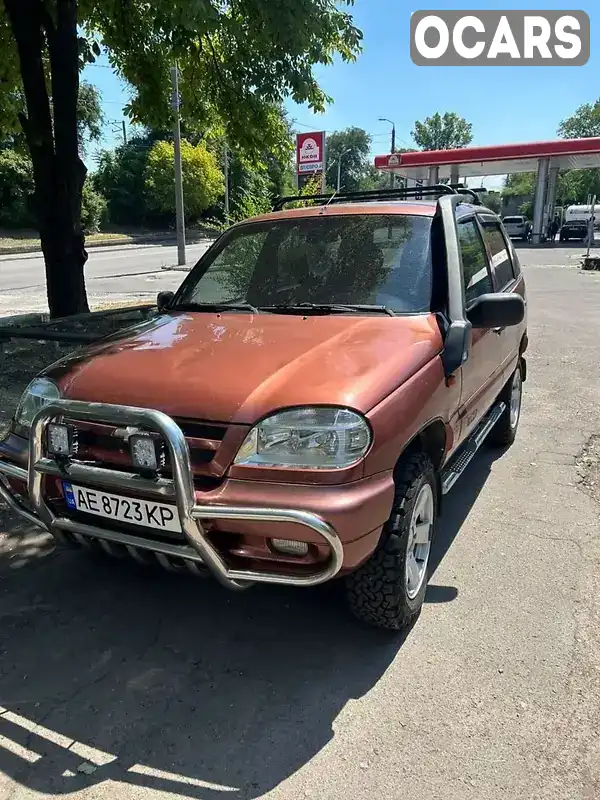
(506, 277)
(482, 377)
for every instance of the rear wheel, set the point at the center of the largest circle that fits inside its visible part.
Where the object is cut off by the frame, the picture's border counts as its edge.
(389, 589)
(504, 431)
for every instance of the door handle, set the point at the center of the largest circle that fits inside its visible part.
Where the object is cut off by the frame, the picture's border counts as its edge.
(498, 331)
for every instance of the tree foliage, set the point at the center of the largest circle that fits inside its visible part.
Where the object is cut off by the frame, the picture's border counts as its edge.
(577, 184)
(89, 114)
(492, 200)
(93, 208)
(522, 183)
(238, 61)
(89, 118)
(259, 176)
(202, 179)
(448, 132)
(16, 190)
(120, 178)
(574, 185)
(353, 146)
(584, 123)
(17, 195)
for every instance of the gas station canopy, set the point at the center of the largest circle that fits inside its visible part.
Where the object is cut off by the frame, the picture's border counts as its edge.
(470, 162)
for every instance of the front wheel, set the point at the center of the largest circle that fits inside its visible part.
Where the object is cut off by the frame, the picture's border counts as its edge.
(504, 431)
(388, 591)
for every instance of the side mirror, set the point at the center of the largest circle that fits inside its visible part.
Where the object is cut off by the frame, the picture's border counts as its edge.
(497, 311)
(164, 300)
(456, 346)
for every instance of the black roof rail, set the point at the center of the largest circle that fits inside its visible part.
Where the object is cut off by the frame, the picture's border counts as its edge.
(473, 193)
(376, 194)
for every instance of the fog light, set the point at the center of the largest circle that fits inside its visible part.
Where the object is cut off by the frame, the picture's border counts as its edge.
(290, 547)
(59, 439)
(143, 452)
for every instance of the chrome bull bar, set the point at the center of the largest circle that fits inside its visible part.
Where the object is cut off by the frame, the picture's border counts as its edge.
(198, 548)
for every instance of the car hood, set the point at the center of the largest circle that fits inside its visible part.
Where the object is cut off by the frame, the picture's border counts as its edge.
(238, 367)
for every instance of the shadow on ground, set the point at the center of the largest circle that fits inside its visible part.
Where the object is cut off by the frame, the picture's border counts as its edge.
(177, 684)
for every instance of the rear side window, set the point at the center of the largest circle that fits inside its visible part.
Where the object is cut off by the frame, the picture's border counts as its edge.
(476, 270)
(498, 253)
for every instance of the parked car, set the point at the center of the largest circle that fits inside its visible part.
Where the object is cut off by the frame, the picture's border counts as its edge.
(575, 229)
(517, 227)
(297, 410)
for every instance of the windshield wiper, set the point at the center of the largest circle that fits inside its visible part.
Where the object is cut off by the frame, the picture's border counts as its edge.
(330, 308)
(216, 307)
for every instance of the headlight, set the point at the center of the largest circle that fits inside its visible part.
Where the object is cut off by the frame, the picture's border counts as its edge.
(311, 438)
(38, 394)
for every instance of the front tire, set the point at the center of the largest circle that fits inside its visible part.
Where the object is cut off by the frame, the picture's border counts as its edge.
(504, 431)
(388, 591)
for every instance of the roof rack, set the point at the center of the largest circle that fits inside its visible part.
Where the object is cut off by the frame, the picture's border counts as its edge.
(416, 192)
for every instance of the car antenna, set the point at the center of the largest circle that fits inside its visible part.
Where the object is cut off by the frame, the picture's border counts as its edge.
(324, 208)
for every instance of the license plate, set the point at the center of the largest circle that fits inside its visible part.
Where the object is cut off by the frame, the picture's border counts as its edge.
(159, 516)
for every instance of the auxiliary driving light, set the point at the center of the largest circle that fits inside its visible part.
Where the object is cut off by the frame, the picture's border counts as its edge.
(289, 547)
(143, 452)
(59, 439)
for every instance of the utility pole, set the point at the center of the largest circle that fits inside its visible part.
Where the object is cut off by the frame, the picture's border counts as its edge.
(119, 128)
(226, 171)
(180, 221)
(393, 124)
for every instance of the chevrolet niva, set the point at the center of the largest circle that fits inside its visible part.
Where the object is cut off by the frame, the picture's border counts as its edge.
(297, 410)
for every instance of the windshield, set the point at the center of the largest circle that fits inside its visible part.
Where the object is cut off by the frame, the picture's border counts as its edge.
(513, 220)
(358, 259)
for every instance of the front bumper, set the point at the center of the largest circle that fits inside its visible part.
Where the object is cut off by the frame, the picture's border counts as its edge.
(343, 522)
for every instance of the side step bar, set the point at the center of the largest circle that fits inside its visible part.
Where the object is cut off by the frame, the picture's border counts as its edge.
(465, 455)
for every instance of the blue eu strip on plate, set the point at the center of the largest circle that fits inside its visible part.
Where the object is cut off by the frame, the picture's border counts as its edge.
(69, 496)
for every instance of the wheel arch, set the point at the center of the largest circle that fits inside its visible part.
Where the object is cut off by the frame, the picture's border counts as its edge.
(431, 440)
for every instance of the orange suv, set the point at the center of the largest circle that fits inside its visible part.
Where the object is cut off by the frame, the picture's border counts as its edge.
(296, 411)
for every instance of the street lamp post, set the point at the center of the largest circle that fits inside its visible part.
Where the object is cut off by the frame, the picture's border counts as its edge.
(393, 124)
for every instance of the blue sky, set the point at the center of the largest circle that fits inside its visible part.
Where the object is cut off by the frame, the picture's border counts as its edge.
(504, 104)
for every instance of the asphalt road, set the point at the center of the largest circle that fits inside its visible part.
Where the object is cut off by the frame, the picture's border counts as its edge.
(112, 274)
(124, 682)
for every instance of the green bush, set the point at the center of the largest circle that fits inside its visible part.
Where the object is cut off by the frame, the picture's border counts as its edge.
(94, 212)
(119, 178)
(16, 190)
(203, 181)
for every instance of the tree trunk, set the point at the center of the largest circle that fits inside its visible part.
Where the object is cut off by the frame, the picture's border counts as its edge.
(53, 144)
